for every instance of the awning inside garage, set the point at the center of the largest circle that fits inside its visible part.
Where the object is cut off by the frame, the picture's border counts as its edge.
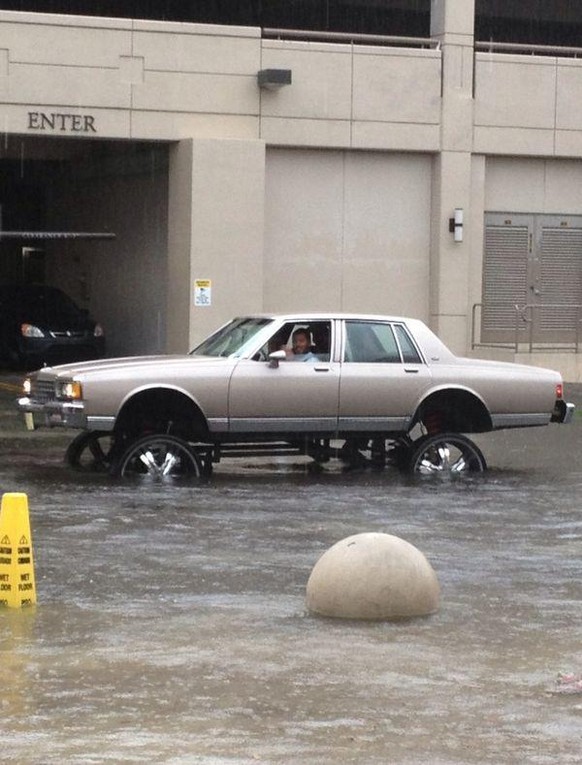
(42, 235)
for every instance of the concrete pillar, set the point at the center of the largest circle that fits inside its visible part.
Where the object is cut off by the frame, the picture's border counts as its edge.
(452, 22)
(215, 233)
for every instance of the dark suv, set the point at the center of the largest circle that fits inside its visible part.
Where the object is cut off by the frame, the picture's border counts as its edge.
(40, 324)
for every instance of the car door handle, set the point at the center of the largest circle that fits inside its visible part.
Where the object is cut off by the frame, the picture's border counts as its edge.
(321, 369)
(411, 371)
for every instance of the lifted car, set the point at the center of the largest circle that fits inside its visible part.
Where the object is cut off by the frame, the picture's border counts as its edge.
(361, 387)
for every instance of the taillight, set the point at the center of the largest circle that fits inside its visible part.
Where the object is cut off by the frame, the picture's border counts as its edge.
(559, 390)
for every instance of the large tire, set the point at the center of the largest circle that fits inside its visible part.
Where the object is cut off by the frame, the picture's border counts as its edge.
(159, 457)
(445, 454)
(91, 450)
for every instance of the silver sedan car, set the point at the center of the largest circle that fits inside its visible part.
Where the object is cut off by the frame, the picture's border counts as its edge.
(368, 389)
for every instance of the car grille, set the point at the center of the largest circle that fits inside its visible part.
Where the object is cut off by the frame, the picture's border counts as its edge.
(67, 333)
(43, 390)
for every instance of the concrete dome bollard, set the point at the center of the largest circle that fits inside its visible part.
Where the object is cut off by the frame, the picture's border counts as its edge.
(373, 576)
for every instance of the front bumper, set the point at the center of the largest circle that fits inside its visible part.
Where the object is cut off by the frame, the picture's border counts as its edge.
(52, 414)
(563, 412)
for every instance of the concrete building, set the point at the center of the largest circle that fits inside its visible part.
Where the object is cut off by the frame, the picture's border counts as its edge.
(334, 187)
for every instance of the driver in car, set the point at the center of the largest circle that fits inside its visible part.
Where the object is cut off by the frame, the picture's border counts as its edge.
(301, 350)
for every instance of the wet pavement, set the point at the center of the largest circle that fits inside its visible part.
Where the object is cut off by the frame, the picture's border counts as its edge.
(171, 623)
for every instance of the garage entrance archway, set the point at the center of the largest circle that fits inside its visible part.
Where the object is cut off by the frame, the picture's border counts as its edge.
(97, 187)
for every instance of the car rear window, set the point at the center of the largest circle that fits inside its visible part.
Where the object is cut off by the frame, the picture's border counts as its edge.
(371, 343)
(410, 354)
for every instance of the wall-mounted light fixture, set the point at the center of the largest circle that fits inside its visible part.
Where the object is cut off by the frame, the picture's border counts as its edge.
(272, 79)
(456, 225)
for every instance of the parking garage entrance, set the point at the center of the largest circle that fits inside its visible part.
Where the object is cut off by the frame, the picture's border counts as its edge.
(90, 217)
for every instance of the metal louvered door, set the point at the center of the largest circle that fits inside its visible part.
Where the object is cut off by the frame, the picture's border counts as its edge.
(508, 275)
(558, 285)
(533, 262)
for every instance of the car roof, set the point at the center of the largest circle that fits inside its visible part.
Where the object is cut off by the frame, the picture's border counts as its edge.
(432, 345)
(321, 316)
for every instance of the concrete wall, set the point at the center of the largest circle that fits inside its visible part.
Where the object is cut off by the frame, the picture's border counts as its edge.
(167, 81)
(216, 203)
(196, 85)
(356, 96)
(365, 155)
(519, 184)
(527, 105)
(347, 232)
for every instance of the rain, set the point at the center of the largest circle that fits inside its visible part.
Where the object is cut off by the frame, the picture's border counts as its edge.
(171, 624)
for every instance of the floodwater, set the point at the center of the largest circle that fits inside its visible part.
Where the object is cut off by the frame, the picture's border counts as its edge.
(171, 624)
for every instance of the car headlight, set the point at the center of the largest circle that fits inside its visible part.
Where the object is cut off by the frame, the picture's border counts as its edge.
(98, 331)
(27, 386)
(29, 330)
(69, 389)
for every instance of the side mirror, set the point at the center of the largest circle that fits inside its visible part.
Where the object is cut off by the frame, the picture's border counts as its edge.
(276, 357)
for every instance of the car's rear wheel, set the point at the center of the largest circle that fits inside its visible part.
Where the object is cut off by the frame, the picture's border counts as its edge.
(91, 450)
(159, 457)
(445, 454)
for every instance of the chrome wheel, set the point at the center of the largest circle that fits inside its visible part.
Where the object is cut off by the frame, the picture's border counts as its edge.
(446, 454)
(160, 458)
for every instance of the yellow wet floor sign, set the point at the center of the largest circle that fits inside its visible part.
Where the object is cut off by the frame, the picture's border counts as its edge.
(17, 584)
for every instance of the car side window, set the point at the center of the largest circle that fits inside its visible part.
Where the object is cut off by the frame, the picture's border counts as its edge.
(371, 343)
(410, 354)
(318, 332)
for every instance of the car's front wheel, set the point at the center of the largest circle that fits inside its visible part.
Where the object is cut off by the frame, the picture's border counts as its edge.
(445, 454)
(159, 457)
(91, 450)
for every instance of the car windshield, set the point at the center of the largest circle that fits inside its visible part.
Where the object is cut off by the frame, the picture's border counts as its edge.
(38, 304)
(232, 339)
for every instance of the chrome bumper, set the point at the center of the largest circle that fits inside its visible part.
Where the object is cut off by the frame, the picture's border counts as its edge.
(52, 414)
(563, 412)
